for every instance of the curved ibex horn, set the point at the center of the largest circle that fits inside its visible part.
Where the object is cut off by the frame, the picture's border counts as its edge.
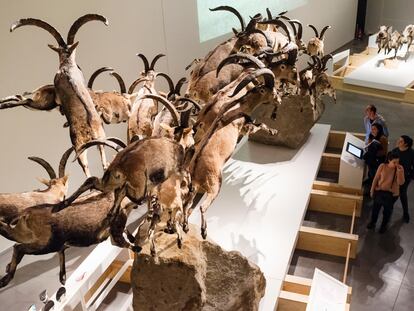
(299, 30)
(280, 24)
(64, 161)
(49, 169)
(117, 141)
(167, 105)
(315, 30)
(154, 61)
(253, 21)
(169, 81)
(232, 10)
(96, 74)
(117, 76)
(325, 60)
(232, 58)
(189, 100)
(179, 85)
(323, 32)
(135, 83)
(82, 21)
(97, 142)
(145, 61)
(41, 24)
(314, 59)
(268, 76)
(269, 14)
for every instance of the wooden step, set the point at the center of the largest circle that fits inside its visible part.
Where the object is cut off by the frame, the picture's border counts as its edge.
(327, 242)
(334, 187)
(330, 162)
(335, 203)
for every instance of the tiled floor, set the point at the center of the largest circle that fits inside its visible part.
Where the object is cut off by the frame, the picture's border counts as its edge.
(382, 276)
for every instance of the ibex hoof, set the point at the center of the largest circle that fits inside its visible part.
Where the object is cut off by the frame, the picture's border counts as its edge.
(5, 280)
(204, 233)
(179, 243)
(8, 268)
(186, 228)
(62, 279)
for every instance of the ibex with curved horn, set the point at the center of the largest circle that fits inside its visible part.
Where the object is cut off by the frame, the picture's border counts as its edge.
(71, 91)
(316, 44)
(113, 107)
(249, 40)
(143, 109)
(13, 204)
(221, 139)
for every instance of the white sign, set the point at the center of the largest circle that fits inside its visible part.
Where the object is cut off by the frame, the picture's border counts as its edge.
(327, 293)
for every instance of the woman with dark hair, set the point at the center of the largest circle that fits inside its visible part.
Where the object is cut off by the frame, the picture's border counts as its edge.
(376, 149)
(386, 186)
(406, 153)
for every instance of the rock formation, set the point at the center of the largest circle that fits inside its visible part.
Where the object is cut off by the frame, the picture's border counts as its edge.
(200, 276)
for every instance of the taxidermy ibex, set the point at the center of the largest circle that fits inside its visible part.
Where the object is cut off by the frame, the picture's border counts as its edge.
(383, 37)
(233, 120)
(71, 92)
(13, 204)
(203, 83)
(134, 172)
(316, 44)
(113, 107)
(87, 221)
(143, 109)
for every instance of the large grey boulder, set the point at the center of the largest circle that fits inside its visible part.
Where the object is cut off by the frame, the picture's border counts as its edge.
(294, 120)
(200, 276)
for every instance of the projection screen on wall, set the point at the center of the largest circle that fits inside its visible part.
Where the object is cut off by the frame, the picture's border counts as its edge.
(215, 24)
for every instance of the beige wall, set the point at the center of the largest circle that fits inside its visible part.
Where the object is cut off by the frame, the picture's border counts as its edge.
(150, 27)
(397, 13)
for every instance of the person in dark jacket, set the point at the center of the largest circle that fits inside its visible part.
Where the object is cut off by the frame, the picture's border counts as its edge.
(406, 154)
(376, 150)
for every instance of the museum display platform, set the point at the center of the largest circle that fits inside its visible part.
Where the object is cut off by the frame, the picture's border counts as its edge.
(375, 74)
(262, 203)
(259, 212)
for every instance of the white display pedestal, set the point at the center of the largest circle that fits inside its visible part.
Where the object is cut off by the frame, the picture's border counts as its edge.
(351, 169)
(262, 204)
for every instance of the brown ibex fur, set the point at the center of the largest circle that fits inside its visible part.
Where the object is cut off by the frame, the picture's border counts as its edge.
(316, 44)
(71, 92)
(86, 222)
(220, 141)
(113, 107)
(143, 109)
(43, 98)
(134, 172)
(283, 70)
(249, 40)
(13, 204)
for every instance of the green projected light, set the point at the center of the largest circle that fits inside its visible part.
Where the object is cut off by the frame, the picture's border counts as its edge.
(215, 24)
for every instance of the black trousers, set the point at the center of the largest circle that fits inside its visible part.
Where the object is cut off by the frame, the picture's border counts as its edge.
(403, 195)
(386, 200)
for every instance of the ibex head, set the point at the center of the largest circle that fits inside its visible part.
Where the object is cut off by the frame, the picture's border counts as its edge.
(64, 49)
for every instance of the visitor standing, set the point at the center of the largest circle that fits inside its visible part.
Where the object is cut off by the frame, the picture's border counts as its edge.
(375, 150)
(386, 186)
(371, 117)
(406, 154)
